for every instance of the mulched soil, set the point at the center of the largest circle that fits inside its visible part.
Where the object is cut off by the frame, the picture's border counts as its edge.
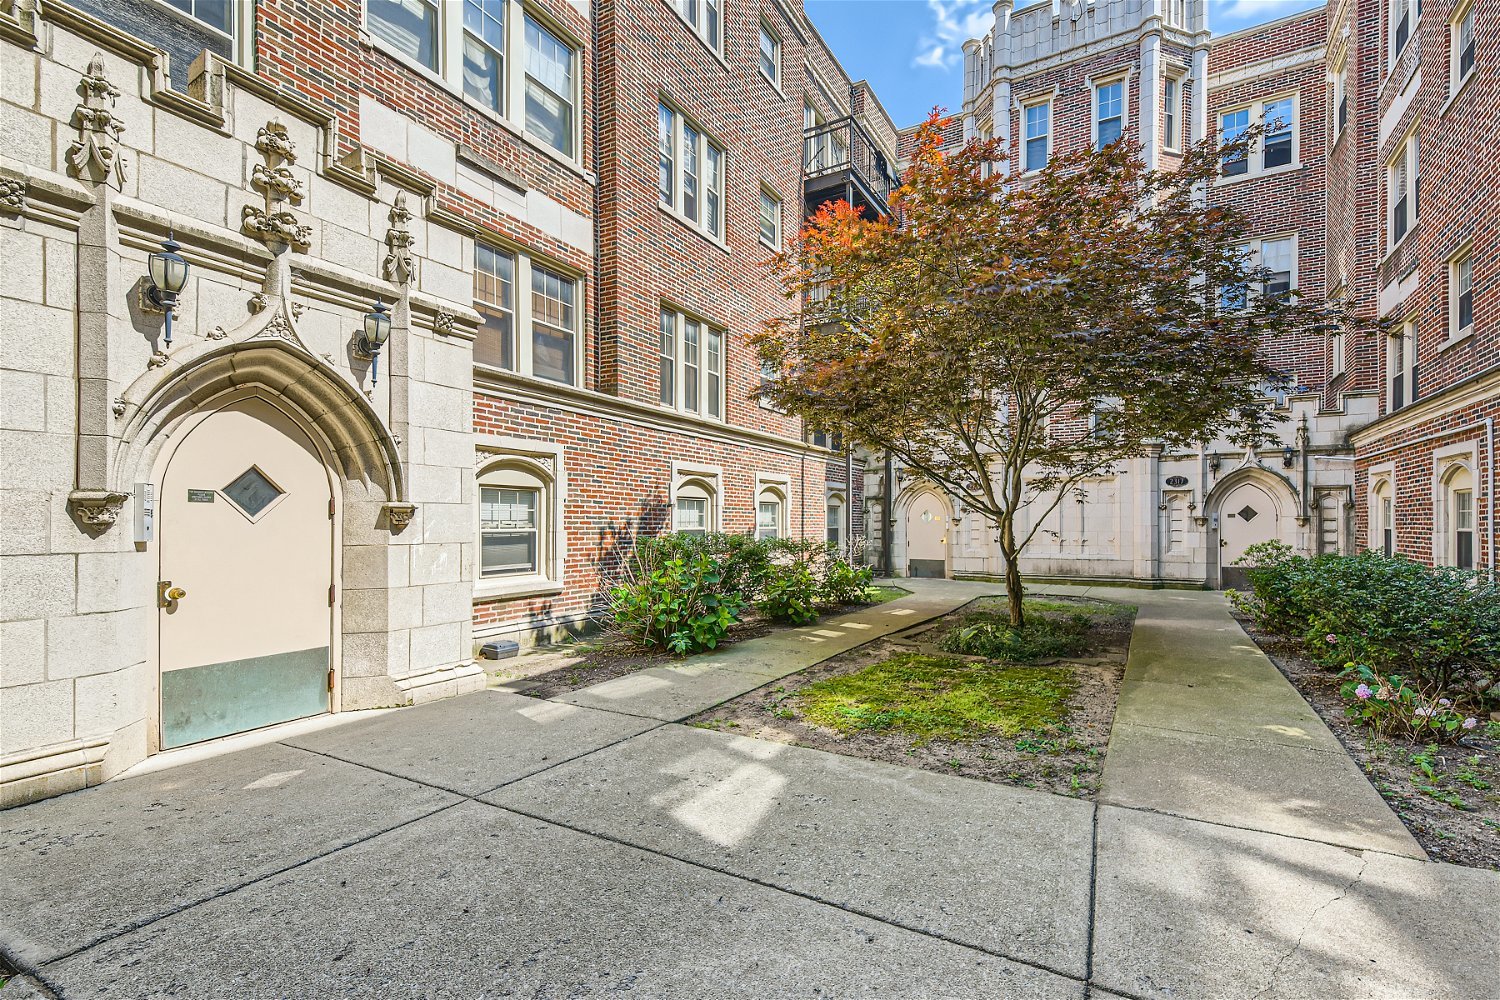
(1065, 763)
(1464, 829)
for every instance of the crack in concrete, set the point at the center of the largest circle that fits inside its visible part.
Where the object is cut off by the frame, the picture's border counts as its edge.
(1307, 925)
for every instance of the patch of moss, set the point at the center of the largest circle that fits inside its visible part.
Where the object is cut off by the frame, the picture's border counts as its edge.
(937, 697)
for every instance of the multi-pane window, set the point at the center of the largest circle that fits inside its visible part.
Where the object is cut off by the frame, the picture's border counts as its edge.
(768, 515)
(494, 298)
(1176, 525)
(549, 88)
(1461, 42)
(1038, 134)
(1329, 518)
(1341, 96)
(1401, 365)
(484, 52)
(703, 16)
(1462, 279)
(834, 522)
(1401, 19)
(1277, 145)
(1388, 525)
(1109, 113)
(770, 219)
(1170, 111)
(770, 55)
(1401, 187)
(690, 364)
(1279, 259)
(823, 149)
(1462, 505)
(690, 172)
(495, 53)
(508, 535)
(553, 325)
(692, 515)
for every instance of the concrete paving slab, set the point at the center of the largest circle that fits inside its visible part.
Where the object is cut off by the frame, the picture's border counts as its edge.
(24, 988)
(1186, 909)
(681, 690)
(1254, 785)
(474, 743)
(1269, 714)
(90, 864)
(1003, 869)
(480, 902)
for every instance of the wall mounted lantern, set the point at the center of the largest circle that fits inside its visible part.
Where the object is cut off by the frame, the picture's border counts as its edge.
(1213, 462)
(168, 272)
(372, 339)
(1288, 457)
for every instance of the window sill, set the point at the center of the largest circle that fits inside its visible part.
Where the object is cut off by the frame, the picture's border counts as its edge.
(680, 412)
(536, 379)
(701, 40)
(1458, 92)
(774, 85)
(1256, 175)
(518, 586)
(1405, 237)
(692, 226)
(1461, 338)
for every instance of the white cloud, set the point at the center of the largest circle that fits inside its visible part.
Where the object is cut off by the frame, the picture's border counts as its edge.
(953, 23)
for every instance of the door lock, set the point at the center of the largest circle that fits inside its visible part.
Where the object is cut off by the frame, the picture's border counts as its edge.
(168, 595)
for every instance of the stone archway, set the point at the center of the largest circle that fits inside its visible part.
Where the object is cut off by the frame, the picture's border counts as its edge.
(1248, 507)
(927, 516)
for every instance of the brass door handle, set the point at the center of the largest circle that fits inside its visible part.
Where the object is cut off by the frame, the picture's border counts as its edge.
(168, 595)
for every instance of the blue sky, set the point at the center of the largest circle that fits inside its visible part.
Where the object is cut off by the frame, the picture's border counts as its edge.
(911, 51)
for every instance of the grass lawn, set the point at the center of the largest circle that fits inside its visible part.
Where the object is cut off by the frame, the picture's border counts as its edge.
(938, 697)
(880, 595)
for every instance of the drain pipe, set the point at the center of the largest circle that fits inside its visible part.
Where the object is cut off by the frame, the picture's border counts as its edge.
(887, 522)
(1489, 511)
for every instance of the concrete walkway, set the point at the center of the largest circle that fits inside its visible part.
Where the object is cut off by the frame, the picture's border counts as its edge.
(497, 845)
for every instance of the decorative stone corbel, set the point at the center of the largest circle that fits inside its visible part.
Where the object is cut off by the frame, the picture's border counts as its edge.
(398, 265)
(96, 509)
(12, 195)
(399, 515)
(94, 154)
(257, 302)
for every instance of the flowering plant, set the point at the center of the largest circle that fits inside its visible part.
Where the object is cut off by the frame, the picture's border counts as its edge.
(1393, 705)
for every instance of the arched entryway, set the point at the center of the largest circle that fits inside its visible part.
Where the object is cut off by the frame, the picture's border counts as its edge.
(927, 535)
(1250, 509)
(245, 540)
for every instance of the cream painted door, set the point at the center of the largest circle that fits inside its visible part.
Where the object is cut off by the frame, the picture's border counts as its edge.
(927, 537)
(1247, 516)
(245, 535)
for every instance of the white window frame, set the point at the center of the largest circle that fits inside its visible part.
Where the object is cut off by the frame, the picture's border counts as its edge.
(775, 217)
(1095, 86)
(1339, 88)
(523, 333)
(1041, 102)
(1456, 77)
(694, 16)
(1448, 465)
(1455, 265)
(1255, 155)
(241, 28)
(1382, 489)
(1412, 15)
(766, 31)
(528, 464)
(835, 510)
(701, 363)
(449, 70)
(704, 218)
(776, 487)
(1401, 361)
(1401, 181)
(692, 479)
(1171, 120)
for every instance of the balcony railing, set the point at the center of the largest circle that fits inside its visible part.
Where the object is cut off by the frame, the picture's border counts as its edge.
(840, 160)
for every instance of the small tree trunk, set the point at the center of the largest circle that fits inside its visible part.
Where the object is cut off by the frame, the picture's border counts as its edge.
(1012, 571)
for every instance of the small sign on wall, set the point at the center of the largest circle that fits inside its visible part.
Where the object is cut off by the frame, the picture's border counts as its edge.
(1175, 481)
(201, 496)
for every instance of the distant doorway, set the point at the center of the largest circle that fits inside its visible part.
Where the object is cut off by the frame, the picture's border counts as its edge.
(1248, 515)
(927, 536)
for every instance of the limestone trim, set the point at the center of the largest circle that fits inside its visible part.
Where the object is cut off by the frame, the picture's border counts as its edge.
(51, 770)
(544, 462)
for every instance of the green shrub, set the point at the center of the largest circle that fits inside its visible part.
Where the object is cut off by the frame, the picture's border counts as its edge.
(1438, 627)
(990, 634)
(790, 594)
(743, 559)
(675, 603)
(1392, 706)
(844, 583)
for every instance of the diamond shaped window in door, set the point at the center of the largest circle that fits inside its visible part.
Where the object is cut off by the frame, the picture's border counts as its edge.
(252, 492)
(1248, 512)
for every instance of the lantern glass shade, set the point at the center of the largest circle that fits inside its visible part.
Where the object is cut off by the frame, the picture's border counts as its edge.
(169, 272)
(377, 326)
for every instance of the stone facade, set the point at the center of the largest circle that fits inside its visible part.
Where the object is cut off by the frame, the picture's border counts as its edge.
(311, 161)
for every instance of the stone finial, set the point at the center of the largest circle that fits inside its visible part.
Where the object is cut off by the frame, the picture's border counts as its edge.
(275, 143)
(95, 154)
(398, 264)
(273, 221)
(96, 509)
(12, 195)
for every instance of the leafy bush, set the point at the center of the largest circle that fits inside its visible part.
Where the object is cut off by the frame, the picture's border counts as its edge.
(1392, 706)
(990, 634)
(743, 559)
(790, 595)
(844, 583)
(1437, 627)
(674, 603)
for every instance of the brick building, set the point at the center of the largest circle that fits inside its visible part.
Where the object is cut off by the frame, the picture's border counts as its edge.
(558, 210)
(1386, 440)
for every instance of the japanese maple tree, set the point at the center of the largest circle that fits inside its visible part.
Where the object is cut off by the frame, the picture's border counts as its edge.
(1007, 339)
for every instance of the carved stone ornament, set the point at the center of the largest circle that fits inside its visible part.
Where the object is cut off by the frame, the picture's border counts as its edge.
(12, 195)
(443, 322)
(398, 240)
(157, 360)
(280, 328)
(258, 302)
(97, 509)
(399, 515)
(119, 406)
(218, 333)
(273, 221)
(94, 154)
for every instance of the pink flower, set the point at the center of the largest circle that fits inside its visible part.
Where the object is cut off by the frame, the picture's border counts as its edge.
(1425, 712)
(1471, 722)
(1332, 638)
(1444, 702)
(1363, 692)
